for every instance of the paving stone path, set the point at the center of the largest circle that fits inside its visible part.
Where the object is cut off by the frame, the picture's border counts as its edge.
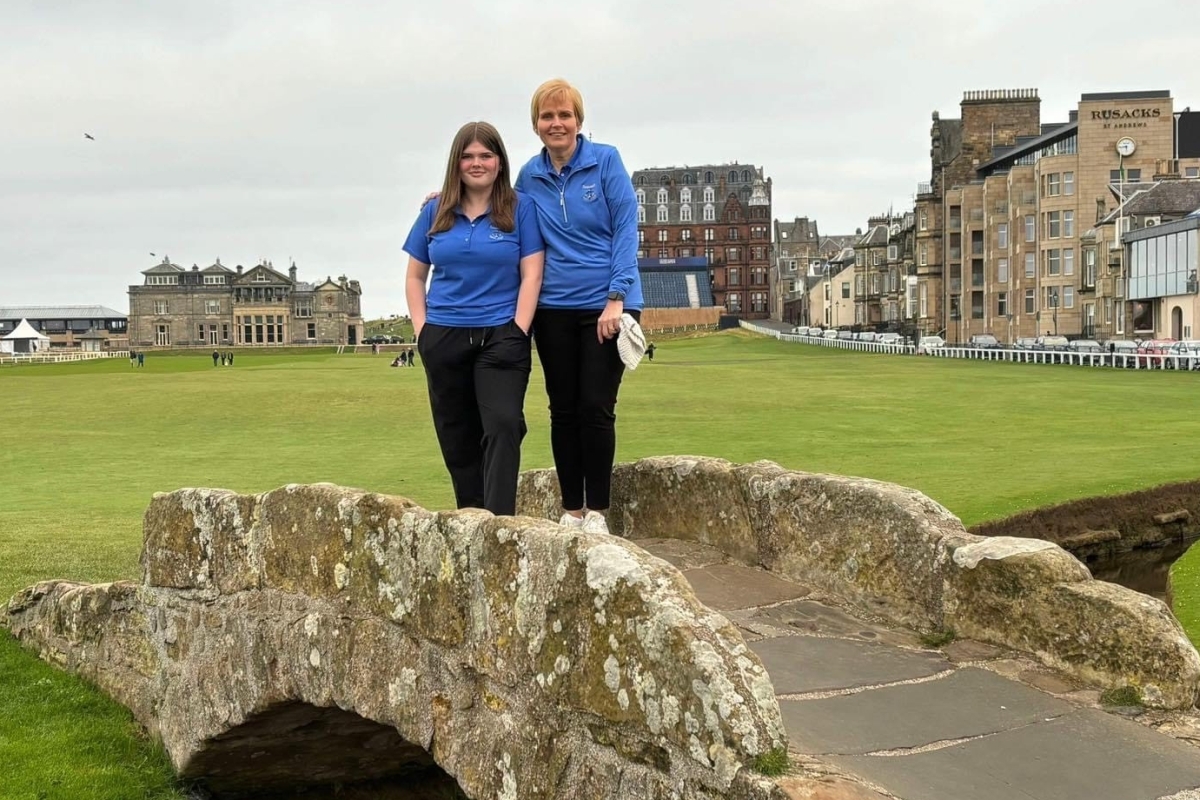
(879, 715)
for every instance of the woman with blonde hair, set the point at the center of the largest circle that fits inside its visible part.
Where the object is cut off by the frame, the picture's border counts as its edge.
(587, 212)
(481, 241)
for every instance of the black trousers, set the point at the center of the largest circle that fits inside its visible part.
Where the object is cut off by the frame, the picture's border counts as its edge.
(582, 380)
(477, 379)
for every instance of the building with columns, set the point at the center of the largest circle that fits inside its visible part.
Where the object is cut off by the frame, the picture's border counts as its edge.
(218, 307)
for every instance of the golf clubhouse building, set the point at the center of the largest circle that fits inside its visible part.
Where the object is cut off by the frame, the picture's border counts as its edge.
(216, 306)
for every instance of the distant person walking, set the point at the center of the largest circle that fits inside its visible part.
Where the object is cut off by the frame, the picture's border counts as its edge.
(412, 355)
(472, 324)
(132, 358)
(231, 358)
(650, 351)
(217, 355)
(141, 359)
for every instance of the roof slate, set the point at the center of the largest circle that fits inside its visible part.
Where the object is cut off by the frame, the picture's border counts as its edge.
(59, 312)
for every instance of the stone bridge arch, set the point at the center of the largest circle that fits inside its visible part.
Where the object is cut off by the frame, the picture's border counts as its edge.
(316, 635)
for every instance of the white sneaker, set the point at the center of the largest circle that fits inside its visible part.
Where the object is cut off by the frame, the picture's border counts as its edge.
(571, 521)
(594, 522)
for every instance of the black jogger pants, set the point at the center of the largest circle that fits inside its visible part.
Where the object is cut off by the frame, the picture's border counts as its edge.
(477, 379)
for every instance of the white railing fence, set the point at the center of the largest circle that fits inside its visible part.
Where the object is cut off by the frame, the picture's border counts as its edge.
(51, 357)
(1116, 360)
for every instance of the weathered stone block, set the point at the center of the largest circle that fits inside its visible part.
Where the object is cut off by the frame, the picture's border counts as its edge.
(509, 651)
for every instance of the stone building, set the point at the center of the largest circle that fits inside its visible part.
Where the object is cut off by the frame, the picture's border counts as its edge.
(719, 212)
(831, 300)
(257, 307)
(999, 226)
(797, 265)
(1158, 259)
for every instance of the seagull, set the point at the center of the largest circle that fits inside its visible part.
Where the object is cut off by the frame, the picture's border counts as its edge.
(152, 255)
(89, 136)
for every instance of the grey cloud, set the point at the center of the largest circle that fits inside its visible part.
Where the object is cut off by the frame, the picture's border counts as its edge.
(311, 130)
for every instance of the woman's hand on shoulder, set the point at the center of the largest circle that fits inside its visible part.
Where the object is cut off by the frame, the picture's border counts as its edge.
(431, 196)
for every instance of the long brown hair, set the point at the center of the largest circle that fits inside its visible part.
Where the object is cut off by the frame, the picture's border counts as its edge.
(504, 198)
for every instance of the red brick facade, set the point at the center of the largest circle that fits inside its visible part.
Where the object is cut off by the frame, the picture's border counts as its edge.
(736, 240)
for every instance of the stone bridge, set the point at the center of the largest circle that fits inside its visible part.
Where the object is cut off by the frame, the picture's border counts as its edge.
(316, 636)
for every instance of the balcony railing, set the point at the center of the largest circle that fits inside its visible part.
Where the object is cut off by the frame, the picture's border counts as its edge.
(924, 188)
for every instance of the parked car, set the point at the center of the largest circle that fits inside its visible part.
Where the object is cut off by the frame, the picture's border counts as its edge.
(865, 336)
(1188, 353)
(1151, 352)
(890, 338)
(985, 341)
(927, 343)
(1084, 346)
(1052, 343)
(800, 330)
(830, 333)
(1026, 343)
(845, 335)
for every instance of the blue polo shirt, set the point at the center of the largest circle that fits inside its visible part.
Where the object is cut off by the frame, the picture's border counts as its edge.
(476, 266)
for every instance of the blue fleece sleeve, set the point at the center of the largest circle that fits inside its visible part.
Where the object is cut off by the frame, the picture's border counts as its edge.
(622, 207)
(521, 179)
(527, 226)
(417, 243)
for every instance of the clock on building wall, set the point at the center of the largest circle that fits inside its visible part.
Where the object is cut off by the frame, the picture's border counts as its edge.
(1126, 146)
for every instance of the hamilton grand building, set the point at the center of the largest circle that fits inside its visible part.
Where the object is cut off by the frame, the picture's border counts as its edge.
(257, 307)
(718, 212)
(1017, 231)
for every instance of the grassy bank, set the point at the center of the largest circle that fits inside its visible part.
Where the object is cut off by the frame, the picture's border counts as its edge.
(86, 445)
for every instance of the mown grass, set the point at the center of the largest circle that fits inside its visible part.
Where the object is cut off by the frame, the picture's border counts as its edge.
(85, 446)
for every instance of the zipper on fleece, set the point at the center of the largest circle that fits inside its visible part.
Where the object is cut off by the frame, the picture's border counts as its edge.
(562, 194)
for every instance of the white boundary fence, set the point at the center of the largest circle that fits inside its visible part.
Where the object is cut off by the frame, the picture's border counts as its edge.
(50, 357)
(1117, 360)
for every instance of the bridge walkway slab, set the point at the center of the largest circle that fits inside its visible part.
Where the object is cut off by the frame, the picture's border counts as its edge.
(877, 714)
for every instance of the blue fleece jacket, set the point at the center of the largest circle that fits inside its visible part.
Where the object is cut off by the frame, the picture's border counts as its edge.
(588, 217)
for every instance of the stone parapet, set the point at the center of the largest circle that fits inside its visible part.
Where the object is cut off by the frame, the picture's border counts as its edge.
(507, 652)
(893, 552)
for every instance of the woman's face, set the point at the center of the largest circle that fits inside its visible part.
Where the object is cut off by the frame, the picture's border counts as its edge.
(478, 167)
(556, 125)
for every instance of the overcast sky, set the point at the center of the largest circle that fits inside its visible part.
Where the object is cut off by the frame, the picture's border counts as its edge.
(311, 130)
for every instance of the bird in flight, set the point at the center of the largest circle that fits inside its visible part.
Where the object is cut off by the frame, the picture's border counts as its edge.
(89, 136)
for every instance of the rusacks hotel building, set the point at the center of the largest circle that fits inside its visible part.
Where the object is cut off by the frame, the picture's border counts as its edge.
(1016, 234)
(258, 307)
(719, 212)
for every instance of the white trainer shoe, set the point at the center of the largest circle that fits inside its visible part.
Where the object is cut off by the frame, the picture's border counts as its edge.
(594, 522)
(571, 521)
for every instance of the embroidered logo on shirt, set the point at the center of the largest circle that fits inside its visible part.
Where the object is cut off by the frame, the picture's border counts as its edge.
(589, 193)
(495, 234)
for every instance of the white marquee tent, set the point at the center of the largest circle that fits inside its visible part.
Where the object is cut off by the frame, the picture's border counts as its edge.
(24, 339)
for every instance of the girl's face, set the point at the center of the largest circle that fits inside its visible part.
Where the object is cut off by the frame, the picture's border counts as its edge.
(478, 167)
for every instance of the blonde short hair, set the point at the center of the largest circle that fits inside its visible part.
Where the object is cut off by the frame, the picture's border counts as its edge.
(554, 90)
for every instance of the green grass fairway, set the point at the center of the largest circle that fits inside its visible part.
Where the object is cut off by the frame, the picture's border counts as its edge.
(85, 445)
